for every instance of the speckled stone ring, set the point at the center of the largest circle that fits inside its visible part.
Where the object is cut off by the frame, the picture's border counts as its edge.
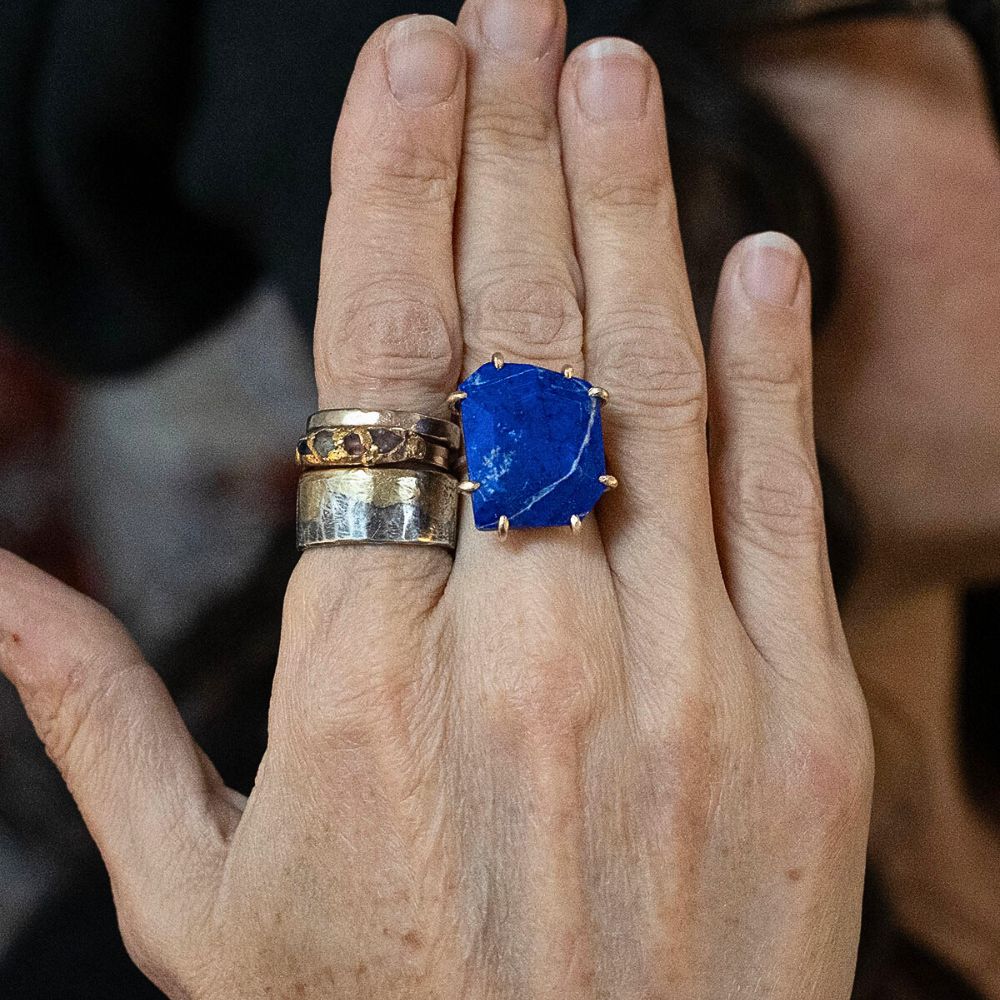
(351, 447)
(534, 446)
(443, 431)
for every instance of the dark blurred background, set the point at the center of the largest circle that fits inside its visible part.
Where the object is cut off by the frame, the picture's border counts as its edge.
(163, 184)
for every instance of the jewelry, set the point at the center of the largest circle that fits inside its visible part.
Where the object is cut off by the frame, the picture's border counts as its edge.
(534, 446)
(445, 432)
(368, 446)
(381, 506)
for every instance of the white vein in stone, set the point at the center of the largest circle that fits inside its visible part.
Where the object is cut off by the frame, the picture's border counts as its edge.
(576, 464)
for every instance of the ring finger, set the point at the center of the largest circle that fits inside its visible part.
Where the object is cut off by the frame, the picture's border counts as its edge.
(642, 337)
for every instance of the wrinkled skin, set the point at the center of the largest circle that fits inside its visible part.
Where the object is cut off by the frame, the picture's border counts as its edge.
(629, 763)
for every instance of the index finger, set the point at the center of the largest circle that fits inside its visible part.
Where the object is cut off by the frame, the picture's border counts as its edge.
(387, 338)
(387, 328)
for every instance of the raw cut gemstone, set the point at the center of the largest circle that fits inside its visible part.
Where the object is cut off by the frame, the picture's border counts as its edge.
(353, 445)
(534, 443)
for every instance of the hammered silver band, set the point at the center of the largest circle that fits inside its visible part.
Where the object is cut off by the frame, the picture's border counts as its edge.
(377, 506)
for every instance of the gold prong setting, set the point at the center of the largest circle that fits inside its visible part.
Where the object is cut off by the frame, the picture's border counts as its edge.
(503, 527)
(468, 487)
(455, 401)
(576, 524)
(498, 360)
(596, 392)
(608, 482)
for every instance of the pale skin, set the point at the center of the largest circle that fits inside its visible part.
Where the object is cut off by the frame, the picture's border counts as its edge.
(633, 762)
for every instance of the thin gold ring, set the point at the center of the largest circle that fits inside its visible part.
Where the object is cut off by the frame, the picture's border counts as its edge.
(444, 431)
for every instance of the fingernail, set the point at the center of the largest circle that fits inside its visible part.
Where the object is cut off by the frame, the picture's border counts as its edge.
(612, 82)
(424, 59)
(772, 269)
(523, 29)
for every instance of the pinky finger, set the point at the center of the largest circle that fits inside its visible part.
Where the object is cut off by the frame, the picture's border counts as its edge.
(156, 807)
(766, 493)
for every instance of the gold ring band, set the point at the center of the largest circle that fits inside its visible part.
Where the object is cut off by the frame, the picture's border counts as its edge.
(443, 431)
(364, 447)
(380, 506)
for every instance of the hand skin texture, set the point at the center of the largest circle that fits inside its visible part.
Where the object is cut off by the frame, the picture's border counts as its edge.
(633, 763)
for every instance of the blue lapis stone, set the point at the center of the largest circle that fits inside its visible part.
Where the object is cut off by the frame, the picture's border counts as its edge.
(534, 443)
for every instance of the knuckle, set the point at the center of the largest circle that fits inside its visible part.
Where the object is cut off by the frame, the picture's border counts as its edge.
(655, 370)
(542, 709)
(508, 129)
(63, 716)
(682, 764)
(831, 776)
(778, 496)
(779, 376)
(618, 194)
(530, 314)
(550, 702)
(381, 718)
(393, 332)
(409, 174)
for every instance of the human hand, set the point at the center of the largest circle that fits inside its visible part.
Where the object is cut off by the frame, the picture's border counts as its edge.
(632, 762)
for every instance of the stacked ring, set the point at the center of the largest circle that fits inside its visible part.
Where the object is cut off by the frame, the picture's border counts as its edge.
(443, 431)
(381, 506)
(346, 447)
(377, 477)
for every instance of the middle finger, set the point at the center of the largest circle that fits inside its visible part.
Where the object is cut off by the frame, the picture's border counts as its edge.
(518, 279)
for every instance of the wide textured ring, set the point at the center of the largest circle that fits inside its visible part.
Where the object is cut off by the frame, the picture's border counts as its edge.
(381, 506)
(445, 432)
(335, 447)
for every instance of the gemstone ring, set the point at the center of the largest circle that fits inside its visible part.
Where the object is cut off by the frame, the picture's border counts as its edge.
(534, 446)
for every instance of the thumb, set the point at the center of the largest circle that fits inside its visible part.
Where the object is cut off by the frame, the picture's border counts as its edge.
(156, 807)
